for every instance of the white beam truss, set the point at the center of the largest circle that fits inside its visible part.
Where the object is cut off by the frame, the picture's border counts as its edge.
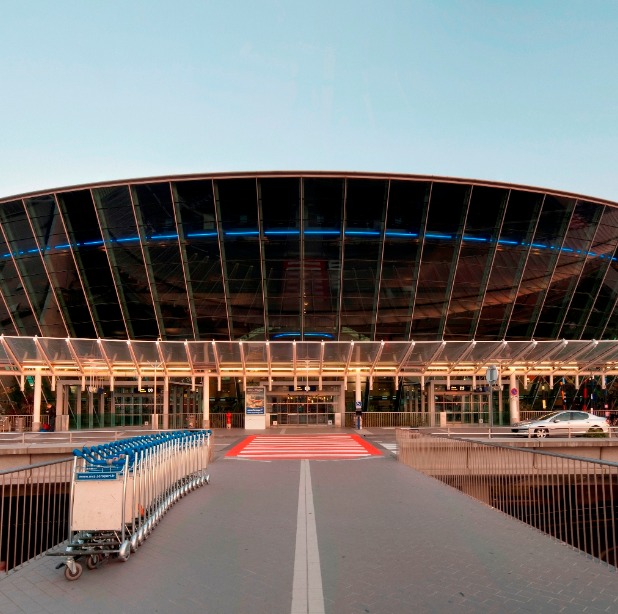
(17, 358)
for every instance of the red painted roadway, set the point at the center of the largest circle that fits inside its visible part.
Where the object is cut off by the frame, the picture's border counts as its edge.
(294, 447)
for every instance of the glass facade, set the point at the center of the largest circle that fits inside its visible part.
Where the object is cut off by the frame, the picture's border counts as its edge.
(308, 257)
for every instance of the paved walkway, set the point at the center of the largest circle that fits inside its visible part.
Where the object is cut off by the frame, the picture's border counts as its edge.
(362, 536)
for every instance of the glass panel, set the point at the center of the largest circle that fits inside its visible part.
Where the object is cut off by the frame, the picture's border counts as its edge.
(255, 354)
(453, 350)
(603, 351)
(406, 203)
(447, 209)
(552, 225)
(20, 251)
(125, 254)
(87, 349)
(308, 351)
(337, 353)
(25, 349)
(82, 224)
(30, 263)
(517, 228)
(63, 274)
(157, 220)
(365, 212)
(238, 210)
(594, 270)
(199, 227)
(393, 353)
(173, 352)
(279, 200)
(571, 261)
(604, 292)
(145, 352)
(201, 353)
(424, 351)
(323, 214)
(5, 361)
(485, 349)
(228, 353)
(475, 258)
(117, 351)
(281, 354)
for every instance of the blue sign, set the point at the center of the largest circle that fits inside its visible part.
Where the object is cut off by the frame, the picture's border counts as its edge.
(96, 476)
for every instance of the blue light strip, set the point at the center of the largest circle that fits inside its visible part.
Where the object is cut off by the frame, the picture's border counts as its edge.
(288, 335)
(293, 232)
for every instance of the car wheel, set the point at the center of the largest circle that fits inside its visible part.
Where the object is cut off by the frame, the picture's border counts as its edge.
(541, 433)
(595, 429)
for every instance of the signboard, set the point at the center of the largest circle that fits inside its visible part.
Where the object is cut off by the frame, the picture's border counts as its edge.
(460, 387)
(96, 476)
(358, 404)
(302, 388)
(255, 398)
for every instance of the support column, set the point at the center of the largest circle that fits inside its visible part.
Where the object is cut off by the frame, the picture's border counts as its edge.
(166, 402)
(62, 414)
(358, 399)
(340, 408)
(513, 399)
(206, 403)
(36, 416)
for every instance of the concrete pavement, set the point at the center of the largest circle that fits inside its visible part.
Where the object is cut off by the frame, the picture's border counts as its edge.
(389, 540)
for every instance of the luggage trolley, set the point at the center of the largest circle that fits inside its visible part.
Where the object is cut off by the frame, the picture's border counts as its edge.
(120, 491)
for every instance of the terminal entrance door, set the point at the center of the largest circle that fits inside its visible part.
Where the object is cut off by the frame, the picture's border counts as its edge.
(463, 406)
(301, 409)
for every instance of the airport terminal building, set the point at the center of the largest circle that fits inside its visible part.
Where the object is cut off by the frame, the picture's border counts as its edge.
(295, 298)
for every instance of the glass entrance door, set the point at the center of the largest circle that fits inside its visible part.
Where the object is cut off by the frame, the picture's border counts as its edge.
(462, 407)
(301, 409)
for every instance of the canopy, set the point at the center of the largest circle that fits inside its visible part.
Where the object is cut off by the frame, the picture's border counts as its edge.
(108, 358)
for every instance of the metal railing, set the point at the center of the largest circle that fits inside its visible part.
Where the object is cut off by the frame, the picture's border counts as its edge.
(63, 437)
(572, 499)
(17, 422)
(385, 419)
(34, 511)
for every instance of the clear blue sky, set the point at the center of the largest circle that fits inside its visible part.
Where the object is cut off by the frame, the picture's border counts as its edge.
(524, 91)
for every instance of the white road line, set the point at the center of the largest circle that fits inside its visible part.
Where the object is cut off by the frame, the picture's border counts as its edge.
(307, 594)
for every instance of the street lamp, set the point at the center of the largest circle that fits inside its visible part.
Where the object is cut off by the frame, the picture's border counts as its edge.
(491, 376)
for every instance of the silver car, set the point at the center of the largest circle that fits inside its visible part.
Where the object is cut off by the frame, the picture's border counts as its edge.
(562, 423)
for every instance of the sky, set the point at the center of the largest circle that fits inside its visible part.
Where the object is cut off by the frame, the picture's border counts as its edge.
(520, 91)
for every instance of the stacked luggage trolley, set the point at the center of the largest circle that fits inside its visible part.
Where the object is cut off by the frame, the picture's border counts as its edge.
(120, 491)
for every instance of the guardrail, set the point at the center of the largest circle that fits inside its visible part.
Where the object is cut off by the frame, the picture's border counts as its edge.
(34, 509)
(572, 499)
(385, 419)
(28, 437)
(506, 432)
(16, 422)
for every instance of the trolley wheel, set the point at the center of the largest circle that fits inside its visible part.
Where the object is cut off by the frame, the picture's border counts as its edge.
(69, 575)
(93, 561)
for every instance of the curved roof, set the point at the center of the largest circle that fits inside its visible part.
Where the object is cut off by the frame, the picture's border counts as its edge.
(308, 256)
(346, 174)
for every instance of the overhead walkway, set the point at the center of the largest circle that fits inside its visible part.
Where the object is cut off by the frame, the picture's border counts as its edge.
(349, 536)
